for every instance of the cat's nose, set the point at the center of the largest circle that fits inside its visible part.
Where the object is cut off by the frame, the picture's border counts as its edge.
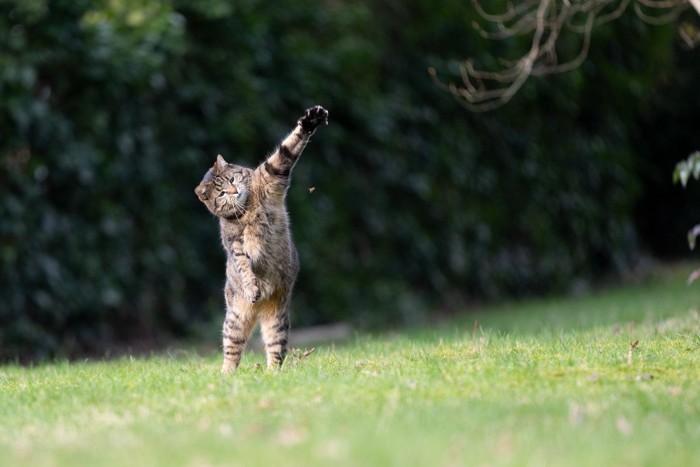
(231, 191)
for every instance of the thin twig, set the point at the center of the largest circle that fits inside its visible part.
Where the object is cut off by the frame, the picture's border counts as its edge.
(633, 345)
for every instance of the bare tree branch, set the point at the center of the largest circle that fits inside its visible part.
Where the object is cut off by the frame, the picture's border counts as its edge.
(546, 21)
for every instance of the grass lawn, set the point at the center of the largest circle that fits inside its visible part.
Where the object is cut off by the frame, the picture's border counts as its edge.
(543, 382)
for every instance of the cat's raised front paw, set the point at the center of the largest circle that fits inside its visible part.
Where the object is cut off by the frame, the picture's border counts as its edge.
(313, 117)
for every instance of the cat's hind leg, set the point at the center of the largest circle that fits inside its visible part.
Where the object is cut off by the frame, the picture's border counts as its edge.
(238, 326)
(275, 334)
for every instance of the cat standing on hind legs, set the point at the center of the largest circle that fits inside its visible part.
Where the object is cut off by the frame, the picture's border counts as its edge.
(261, 260)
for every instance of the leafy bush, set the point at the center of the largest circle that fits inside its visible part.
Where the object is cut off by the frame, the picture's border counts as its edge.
(684, 170)
(417, 204)
(687, 168)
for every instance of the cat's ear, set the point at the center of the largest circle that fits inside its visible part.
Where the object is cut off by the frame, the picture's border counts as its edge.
(220, 164)
(201, 191)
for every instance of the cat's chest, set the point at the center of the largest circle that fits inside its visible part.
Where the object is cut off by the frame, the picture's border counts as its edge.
(263, 236)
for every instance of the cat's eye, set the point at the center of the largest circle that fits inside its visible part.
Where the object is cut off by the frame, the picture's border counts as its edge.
(222, 194)
(236, 178)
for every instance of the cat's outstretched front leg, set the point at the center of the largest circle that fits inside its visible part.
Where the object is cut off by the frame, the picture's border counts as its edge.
(278, 167)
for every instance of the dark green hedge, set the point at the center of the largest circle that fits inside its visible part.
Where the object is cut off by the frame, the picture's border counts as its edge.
(110, 112)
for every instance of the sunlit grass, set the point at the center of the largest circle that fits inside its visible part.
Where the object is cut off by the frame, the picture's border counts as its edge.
(544, 382)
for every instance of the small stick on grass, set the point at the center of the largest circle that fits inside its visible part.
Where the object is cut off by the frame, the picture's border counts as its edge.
(633, 345)
(297, 355)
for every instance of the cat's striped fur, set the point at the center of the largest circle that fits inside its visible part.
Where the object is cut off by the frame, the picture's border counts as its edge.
(262, 262)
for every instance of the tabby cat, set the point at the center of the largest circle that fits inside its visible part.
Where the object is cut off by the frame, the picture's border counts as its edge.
(262, 262)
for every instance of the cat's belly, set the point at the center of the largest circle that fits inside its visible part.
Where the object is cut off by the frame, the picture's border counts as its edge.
(275, 272)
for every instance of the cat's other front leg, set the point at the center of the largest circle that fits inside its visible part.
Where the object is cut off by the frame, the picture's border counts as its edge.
(252, 289)
(251, 286)
(275, 334)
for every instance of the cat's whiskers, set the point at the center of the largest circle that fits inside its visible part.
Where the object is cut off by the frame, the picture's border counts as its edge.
(237, 207)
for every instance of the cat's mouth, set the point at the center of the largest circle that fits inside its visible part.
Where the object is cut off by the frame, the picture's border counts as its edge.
(234, 205)
(240, 199)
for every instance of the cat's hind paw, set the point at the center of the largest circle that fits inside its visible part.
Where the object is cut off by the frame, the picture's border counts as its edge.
(229, 366)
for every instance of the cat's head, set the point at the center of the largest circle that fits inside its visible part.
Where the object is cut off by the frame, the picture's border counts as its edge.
(224, 189)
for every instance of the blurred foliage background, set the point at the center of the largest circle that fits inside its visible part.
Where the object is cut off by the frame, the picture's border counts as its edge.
(112, 110)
